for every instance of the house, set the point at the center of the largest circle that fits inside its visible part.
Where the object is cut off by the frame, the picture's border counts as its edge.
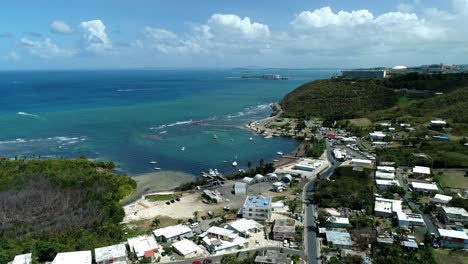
(376, 136)
(388, 169)
(245, 227)
(214, 196)
(76, 257)
(338, 222)
(409, 220)
(219, 246)
(279, 187)
(115, 254)
(410, 244)
(339, 239)
(441, 199)
(385, 184)
(437, 124)
(257, 208)
(349, 140)
(387, 207)
(186, 248)
(420, 172)
(361, 162)
(384, 175)
(453, 239)
(220, 233)
(452, 215)
(308, 165)
(240, 188)
(172, 233)
(424, 187)
(143, 246)
(284, 229)
(248, 180)
(339, 154)
(23, 259)
(272, 257)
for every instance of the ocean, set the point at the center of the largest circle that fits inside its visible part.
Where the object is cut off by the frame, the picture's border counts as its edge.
(133, 117)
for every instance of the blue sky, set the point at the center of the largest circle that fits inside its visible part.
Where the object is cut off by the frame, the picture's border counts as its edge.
(88, 34)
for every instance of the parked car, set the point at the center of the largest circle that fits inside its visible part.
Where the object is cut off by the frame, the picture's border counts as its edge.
(207, 261)
(197, 262)
(194, 225)
(285, 243)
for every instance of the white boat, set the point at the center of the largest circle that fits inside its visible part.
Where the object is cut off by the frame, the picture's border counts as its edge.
(215, 136)
(234, 164)
(153, 162)
(183, 149)
(279, 153)
(250, 139)
(157, 168)
(268, 136)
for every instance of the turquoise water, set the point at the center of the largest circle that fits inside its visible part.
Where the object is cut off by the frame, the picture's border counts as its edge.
(133, 117)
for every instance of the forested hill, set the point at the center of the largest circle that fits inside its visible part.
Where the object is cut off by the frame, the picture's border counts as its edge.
(343, 98)
(50, 206)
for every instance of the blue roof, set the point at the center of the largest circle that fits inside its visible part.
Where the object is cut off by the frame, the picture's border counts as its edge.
(410, 244)
(258, 201)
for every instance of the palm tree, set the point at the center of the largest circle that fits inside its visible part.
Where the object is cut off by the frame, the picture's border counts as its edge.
(155, 224)
(195, 216)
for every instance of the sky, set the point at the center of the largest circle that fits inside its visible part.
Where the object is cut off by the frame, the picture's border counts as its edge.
(118, 34)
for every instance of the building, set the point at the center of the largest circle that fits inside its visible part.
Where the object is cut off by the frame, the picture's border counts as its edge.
(272, 257)
(349, 140)
(77, 257)
(420, 172)
(384, 175)
(424, 187)
(245, 227)
(287, 178)
(441, 199)
(144, 246)
(115, 254)
(248, 180)
(23, 259)
(172, 233)
(220, 233)
(338, 222)
(388, 169)
(452, 215)
(308, 165)
(339, 154)
(272, 176)
(385, 184)
(376, 136)
(214, 196)
(409, 220)
(438, 124)
(339, 239)
(366, 74)
(284, 229)
(186, 248)
(218, 246)
(257, 208)
(387, 207)
(279, 187)
(453, 239)
(364, 162)
(240, 188)
(259, 178)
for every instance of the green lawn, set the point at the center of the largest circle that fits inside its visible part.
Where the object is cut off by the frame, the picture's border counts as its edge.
(451, 256)
(278, 198)
(361, 122)
(161, 197)
(453, 179)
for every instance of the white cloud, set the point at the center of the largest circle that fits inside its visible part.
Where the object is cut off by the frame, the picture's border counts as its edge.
(325, 17)
(233, 25)
(45, 49)
(59, 26)
(168, 42)
(95, 36)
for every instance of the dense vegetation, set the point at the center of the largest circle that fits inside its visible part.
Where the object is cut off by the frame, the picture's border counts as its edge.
(427, 82)
(51, 206)
(346, 188)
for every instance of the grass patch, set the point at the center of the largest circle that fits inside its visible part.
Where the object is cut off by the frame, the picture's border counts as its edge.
(360, 122)
(453, 179)
(278, 198)
(451, 256)
(161, 197)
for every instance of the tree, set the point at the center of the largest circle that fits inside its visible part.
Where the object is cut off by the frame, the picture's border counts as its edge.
(155, 223)
(195, 216)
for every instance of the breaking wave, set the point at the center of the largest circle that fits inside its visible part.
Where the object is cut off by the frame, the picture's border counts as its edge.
(27, 114)
(249, 111)
(178, 123)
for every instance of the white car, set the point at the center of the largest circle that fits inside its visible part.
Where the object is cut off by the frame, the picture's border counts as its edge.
(194, 225)
(285, 243)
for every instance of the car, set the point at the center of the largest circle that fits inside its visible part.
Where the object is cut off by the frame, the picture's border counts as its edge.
(194, 225)
(168, 203)
(172, 201)
(177, 199)
(197, 262)
(285, 243)
(207, 261)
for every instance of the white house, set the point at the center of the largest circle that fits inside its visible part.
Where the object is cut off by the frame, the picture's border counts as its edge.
(143, 246)
(424, 187)
(218, 246)
(421, 172)
(441, 199)
(384, 175)
(376, 136)
(385, 184)
(387, 207)
(186, 248)
(76, 257)
(409, 220)
(248, 180)
(115, 254)
(453, 239)
(23, 259)
(171, 233)
(245, 227)
(389, 169)
(454, 214)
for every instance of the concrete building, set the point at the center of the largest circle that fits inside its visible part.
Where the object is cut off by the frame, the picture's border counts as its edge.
(388, 169)
(248, 180)
(259, 178)
(420, 172)
(339, 239)
(218, 246)
(186, 248)
(453, 215)
(272, 257)
(409, 220)
(387, 207)
(384, 175)
(279, 187)
(245, 227)
(144, 246)
(115, 254)
(438, 124)
(338, 222)
(257, 208)
(23, 259)
(361, 162)
(376, 136)
(214, 196)
(308, 165)
(76, 257)
(441, 199)
(424, 187)
(364, 74)
(220, 233)
(172, 233)
(385, 184)
(453, 239)
(240, 188)
(284, 229)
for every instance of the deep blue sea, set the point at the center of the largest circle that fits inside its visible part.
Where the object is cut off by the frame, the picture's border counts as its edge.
(133, 117)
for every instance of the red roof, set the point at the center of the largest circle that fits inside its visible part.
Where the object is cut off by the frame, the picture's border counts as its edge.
(149, 254)
(330, 136)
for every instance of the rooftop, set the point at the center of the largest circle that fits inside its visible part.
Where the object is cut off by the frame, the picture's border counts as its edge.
(172, 231)
(240, 185)
(387, 182)
(76, 257)
(425, 186)
(387, 205)
(422, 170)
(453, 234)
(221, 244)
(339, 238)
(455, 211)
(244, 225)
(385, 175)
(442, 198)
(284, 225)
(410, 244)
(410, 217)
(340, 220)
(257, 202)
(186, 247)
(110, 252)
(23, 259)
(386, 168)
(219, 231)
(143, 245)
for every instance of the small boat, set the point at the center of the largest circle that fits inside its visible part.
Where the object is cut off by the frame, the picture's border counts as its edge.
(234, 164)
(183, 149)
(268, 136)
(279, 153)
(215, 136)
(250, 139)
(153, 162)
(157, 168)
(275, 160)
